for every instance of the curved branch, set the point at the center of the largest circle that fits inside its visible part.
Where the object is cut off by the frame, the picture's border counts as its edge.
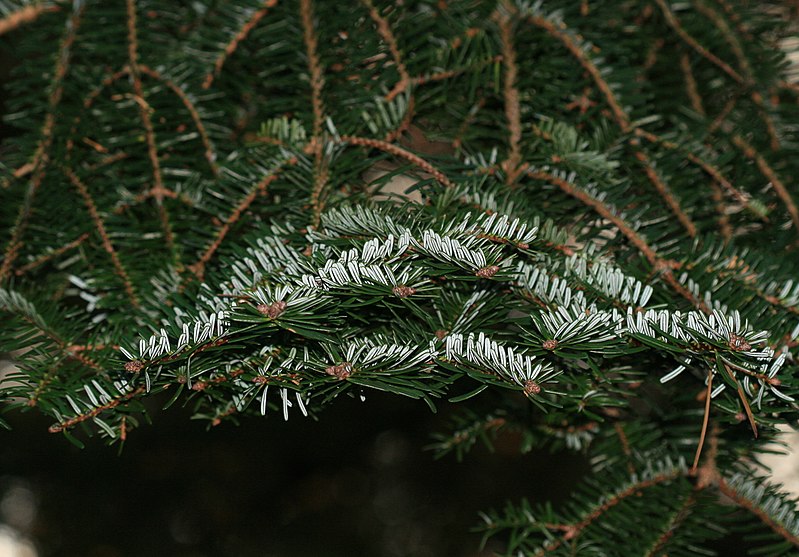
(24, 15)
(620, 116)
(384, 30)
(42, 155)
(402, 153)
(231, 47)
(750, 506)
(100, 226)
(572, 531)
(210, 155)
(509, 91)
(658, 263)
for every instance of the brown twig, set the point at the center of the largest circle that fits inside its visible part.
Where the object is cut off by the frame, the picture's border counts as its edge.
(718, 202)
(210, 155)
(405, 124)
(317, 83)
(510, 93)
(744, 401)
(402, 153)
(619, 116)
(770, 175)
(384, 30)
(42, 155)
(745, 79)
(231, 47)
(664, 190)
(679, 517)
(625, 446)
(750, 506)
(708, 168)
(448, 74)
(705, 421)
(574, 530)
(147, 124)
(690, 84)
(674, 23)
(723, 113)
(100, 226)
(657, 262)
(57, 428)
(24, 15)
(260, 189)
(51, 255)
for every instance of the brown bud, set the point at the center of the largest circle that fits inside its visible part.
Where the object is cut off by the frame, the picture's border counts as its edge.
(487, 272)
(738, 343)
(134, 366)
(272, 310)
(550, 344)
(403, 291)
(341, 371)
(440, 334)
(531, 387)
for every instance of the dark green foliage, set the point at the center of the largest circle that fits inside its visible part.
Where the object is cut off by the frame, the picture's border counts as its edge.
(602, 235)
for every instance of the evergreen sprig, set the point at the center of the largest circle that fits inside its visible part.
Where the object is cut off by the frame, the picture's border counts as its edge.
(599, 251)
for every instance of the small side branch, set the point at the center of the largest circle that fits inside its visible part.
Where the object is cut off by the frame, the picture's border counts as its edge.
(674, 23)
(397, 151)
(658, 263)
(679, 517)
(572, 531)
(51, 255)
(42, 155)
(620, 116)
(384, 30)
(24, 16)
(317, 83)
(509, 91)
(231, 47)
(764, 517)
(57, 428)
(260, 189)
(210, 155)
(770, 175)
(147, 124)
(100, 226)
(691, 88)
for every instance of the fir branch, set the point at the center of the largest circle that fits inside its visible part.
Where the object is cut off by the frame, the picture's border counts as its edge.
(675, 522)
(765, 169)
(94, 412)
(158, 190)
(620, 116)
(238, 38)
(42, 155)
(708, 168)
(210, 154)
(101, 230)
(384, 30)
(756, 97)
(198, 267)
(24, 15)
(690, 84)
(510, 93)
(658, 263)
(41, 260)
(397, 151)
(674, 23)
(317, 82)
(573, 531)
(752, 498)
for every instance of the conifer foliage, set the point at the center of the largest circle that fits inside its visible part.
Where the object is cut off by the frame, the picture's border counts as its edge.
(600, 251)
